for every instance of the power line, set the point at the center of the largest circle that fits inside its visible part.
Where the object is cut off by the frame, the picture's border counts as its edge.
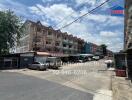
(64, 18)
(84, 15)
(61, 20)
(53, 16)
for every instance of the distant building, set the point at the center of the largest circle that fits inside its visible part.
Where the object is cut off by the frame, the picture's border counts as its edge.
(37, 37)
(87, 48)
(109, 53)
(90, 48)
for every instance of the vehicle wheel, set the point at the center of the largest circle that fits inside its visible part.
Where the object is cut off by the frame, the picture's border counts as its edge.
(38, 68)
(57, 68)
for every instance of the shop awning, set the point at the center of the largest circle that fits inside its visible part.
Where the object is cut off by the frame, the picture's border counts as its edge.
(43, 53)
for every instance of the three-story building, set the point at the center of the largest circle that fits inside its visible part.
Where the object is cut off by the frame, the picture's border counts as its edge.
(37, 37)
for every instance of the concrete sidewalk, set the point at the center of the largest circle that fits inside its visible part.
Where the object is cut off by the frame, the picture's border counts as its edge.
(122, 88)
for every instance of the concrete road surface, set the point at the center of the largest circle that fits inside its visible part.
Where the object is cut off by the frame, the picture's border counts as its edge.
(82, 81)
(14, 86)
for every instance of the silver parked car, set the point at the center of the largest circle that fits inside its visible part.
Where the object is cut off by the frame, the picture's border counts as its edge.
(37, 66)
(39, 63)
(54, 62)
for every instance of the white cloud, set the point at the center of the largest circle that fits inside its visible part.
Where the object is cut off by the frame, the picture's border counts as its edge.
(108, 34)
(55, 12)
(78, 28)
(18, 8)
(114, 42)
(2, 7)
(101, 18)
(113, 20)
(84, 28)
(112, 39)
(47, 0)
(89, 28)
(91, 2)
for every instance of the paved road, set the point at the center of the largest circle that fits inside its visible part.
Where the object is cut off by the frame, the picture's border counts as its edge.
(14, 86)
(93, 84)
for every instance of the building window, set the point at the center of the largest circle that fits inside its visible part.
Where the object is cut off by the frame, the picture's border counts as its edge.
(44, 32)
(49, 33)
(38, 29)
(48, 42)
(48, 49)
(64, 45)
(37, 39)
(70, 46)
(57, 44)
(130, 45)
(56, 49)
(58, 36)
(65, 38)
(36, 48)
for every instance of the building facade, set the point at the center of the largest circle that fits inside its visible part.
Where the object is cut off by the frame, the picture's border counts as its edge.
(128, 37)
(128, 25)
(87, 48)
(109, 53)
(91, 48)
(37, 37)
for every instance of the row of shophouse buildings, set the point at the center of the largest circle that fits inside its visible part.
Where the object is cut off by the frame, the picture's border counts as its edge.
(38, 40)
(37, 37)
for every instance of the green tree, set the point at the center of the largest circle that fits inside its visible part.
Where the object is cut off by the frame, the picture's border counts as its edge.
(10, 30)
(104, 49)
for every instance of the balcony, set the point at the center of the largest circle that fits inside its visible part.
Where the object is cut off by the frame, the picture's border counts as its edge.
(75, 43)
(70, 42)
(65, 48)
(50, 36)
(49, 45)
(58, 37)
(65, 40)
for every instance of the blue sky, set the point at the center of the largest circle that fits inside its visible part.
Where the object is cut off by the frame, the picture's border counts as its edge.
(99, 27)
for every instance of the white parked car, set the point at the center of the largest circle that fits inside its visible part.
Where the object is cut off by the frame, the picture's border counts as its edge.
(96, 57)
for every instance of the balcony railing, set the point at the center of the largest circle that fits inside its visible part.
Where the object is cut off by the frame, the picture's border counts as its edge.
(65, 48)
(71, 42)
(49, 36)
(65, 41)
